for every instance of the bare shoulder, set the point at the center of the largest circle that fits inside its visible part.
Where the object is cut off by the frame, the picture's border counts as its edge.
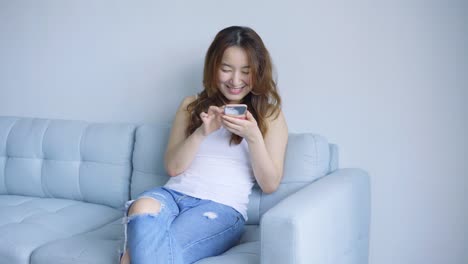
(182, 116)
(186, 101)
(181, 122)
(277, 121)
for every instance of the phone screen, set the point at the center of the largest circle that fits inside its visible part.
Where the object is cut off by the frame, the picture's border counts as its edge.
(235, 109)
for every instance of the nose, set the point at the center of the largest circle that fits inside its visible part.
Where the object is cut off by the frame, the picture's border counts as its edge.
(236, 79)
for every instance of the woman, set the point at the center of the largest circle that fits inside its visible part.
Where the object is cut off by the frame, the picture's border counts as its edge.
(214, 159)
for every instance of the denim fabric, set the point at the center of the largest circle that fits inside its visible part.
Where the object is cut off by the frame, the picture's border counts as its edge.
(185, 230)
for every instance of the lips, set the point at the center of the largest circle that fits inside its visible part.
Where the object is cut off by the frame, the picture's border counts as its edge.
(235, 90)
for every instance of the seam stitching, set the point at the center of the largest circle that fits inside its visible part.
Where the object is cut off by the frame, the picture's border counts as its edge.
(6, 155)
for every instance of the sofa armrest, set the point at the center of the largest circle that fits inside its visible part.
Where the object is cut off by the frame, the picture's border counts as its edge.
(325, 222)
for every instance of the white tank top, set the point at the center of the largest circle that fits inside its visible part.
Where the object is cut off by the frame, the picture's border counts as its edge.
(219, 172)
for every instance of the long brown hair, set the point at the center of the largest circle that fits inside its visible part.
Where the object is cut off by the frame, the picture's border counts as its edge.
(263, 101)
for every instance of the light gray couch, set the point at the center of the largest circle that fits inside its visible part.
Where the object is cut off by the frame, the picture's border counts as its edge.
(63, 185)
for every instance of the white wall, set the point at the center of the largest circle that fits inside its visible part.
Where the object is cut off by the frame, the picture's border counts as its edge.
(387, 82)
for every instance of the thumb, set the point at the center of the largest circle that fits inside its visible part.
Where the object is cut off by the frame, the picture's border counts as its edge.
(214, 110)
(249, 116)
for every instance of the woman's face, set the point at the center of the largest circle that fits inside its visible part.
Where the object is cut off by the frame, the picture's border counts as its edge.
(234, 75)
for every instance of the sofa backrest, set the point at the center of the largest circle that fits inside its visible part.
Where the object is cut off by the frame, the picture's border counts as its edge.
(111, 163)
(308, 157)
(76, 160)
(148, 158)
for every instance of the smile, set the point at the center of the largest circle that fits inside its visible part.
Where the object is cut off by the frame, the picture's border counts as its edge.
(236, 87)
(235, 90)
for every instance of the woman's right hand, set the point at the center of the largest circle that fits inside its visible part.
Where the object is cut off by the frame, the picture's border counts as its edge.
(211, 120)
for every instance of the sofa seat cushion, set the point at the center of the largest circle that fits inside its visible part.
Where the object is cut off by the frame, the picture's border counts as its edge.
(100, 246)
(251, 234)
(27, 223)
(245, 253)
(103, 245)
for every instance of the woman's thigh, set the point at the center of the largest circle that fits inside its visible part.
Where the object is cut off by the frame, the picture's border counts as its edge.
(207, 229)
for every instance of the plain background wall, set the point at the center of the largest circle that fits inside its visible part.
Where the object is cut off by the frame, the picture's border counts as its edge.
(385, 81)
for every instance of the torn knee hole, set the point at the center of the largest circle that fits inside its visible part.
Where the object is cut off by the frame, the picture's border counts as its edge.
(145, 206)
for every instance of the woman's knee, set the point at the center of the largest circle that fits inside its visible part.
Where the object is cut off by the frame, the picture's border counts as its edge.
(145, 206)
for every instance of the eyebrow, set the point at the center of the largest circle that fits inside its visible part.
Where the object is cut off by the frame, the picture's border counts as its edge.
(230, 66)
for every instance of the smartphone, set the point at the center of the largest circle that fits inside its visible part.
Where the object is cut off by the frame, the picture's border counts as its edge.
(235, 110)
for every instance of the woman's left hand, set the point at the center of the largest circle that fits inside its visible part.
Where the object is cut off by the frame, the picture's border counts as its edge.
(246, 128)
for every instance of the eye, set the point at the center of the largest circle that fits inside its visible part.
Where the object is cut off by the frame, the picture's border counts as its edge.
(225, 70)
(246, 73)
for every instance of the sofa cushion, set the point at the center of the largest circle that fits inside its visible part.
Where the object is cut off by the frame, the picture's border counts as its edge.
(245, 253)
(148, 158)
(66, 159)
(27, 223)
(100, 246)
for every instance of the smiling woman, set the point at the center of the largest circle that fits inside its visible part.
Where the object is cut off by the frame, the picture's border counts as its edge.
(214, 158)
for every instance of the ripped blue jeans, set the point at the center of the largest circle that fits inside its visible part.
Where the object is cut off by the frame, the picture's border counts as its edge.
(185, 230)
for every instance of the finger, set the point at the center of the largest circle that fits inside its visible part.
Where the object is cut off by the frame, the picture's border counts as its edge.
(234, 120)
(232, 130)
(232, 126)
(212, 107)
(215, 109)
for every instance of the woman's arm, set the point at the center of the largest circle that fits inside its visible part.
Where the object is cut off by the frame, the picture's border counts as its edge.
(181, 150)
(266, 153)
